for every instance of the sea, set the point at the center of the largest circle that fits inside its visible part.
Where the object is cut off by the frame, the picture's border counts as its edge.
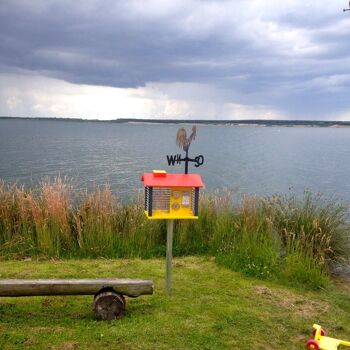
(254, 160)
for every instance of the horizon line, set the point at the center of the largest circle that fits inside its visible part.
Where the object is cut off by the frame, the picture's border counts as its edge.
(189, 121)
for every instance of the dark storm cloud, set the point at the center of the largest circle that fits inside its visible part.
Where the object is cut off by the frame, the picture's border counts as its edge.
(285, 60)
(97, 48)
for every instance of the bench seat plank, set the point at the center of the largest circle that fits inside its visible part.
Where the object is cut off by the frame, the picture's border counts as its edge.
(39, 287)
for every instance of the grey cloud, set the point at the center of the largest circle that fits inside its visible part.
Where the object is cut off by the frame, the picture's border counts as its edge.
(121, 44)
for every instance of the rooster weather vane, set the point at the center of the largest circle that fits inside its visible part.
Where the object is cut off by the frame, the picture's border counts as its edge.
(184, 142)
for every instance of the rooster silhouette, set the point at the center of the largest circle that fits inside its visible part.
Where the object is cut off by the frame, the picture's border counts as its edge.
(181, 138)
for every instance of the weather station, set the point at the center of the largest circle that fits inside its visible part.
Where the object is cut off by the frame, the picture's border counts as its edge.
(173, 196)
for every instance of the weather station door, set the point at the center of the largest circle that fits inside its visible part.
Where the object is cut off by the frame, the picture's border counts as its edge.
(174, 203)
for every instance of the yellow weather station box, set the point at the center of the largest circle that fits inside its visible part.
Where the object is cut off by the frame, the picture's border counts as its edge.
(171, 196)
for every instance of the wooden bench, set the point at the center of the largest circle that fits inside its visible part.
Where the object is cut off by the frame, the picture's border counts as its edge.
(109, 301)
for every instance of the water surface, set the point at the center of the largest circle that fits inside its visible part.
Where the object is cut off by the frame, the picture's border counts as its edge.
(256, 160)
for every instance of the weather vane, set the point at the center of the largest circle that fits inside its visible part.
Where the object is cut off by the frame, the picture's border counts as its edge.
(347, 9)
(184, 142)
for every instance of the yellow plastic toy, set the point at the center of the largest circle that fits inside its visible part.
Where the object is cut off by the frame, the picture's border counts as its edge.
(321, 342)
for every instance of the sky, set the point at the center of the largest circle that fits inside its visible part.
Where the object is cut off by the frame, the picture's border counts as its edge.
(175, 59)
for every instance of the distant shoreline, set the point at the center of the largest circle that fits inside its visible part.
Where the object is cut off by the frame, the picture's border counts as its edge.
(223, 122)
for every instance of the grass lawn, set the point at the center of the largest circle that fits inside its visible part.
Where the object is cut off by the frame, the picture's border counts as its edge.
(211, 308)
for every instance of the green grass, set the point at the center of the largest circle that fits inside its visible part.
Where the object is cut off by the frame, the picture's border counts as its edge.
(293, 240)
(211, 307)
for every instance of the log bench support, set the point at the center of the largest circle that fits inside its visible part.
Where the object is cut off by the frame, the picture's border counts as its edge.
(109, 301)
(108, 305)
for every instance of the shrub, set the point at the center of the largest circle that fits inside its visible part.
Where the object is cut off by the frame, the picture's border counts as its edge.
(311, 225)
(252, 246)
(302, 270)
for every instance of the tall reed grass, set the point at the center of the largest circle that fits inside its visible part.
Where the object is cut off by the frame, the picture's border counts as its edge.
(289, 238)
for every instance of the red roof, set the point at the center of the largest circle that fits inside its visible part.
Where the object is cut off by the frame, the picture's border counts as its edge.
(172, 180)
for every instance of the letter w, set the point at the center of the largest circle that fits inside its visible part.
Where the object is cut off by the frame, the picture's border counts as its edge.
(174, 159)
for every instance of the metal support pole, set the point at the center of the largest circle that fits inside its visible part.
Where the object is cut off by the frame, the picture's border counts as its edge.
(169, 254)
(186, 163)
